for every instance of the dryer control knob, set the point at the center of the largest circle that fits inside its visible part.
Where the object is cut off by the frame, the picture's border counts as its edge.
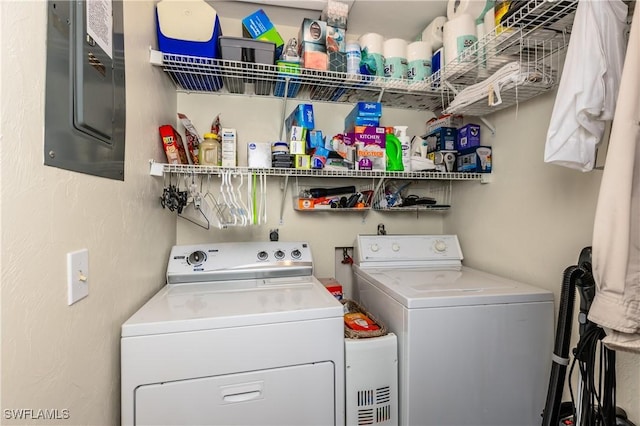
(263, 255)
(279, 254)
(440, 246)
(375, 247)
(395, 247)
(296, 254)
(197, 257)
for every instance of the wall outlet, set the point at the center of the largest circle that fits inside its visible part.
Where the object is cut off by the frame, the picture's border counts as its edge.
(77, 275)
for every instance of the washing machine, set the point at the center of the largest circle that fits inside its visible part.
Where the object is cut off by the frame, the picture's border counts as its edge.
(242, 333)
(474, 349)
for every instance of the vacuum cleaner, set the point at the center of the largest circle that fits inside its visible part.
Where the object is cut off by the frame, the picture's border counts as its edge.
(595, 402)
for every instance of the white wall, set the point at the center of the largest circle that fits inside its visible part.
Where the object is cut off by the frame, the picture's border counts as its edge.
(56, 356)
(533, 219)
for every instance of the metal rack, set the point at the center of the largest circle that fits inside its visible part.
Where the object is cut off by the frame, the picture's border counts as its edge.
(534, 36)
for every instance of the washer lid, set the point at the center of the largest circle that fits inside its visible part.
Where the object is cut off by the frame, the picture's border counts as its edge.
(205, 306)
(424, 288)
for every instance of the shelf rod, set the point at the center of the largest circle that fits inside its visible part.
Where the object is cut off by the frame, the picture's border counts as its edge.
(285, 184)
(284, 108)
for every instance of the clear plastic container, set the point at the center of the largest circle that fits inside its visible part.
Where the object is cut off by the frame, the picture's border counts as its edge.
(210, 150)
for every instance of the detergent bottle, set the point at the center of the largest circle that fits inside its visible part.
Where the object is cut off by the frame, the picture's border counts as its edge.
(405, 142)
(394, 153)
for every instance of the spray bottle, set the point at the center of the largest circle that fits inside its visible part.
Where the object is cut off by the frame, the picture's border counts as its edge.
(401, 133)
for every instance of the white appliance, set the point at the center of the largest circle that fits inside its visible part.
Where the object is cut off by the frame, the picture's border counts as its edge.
(371, 381)
(474, 349)
(243, 334)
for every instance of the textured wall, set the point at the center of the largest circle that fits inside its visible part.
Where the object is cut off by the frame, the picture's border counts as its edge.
(56, 356)
(533, 219)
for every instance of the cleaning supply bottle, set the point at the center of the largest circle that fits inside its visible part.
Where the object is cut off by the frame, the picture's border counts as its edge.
(394, 153)
(405, 142)
(209, 153)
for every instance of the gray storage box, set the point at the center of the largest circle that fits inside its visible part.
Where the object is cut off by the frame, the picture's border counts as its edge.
(246, 51)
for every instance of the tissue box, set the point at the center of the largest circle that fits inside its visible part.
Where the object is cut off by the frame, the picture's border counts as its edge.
(335, 40)
(314, 56)
(259, 154)
(475, 160)
(442, 139)
(337, 61)
(468, 137)
(258, 26)
(313, 31)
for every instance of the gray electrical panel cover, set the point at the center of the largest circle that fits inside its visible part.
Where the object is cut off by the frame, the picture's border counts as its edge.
(85, 87)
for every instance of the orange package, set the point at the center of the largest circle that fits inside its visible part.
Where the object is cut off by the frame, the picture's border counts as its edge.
(360, 322)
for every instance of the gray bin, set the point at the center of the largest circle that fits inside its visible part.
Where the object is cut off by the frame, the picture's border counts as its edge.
(244, 51)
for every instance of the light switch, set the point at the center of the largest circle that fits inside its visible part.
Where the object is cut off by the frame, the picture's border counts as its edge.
(77, 275)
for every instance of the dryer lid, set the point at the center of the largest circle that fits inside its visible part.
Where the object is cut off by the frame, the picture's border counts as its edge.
(423, 288)
(205, 306)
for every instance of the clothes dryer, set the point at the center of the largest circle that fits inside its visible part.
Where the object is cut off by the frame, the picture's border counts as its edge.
(242, 333)
(474, 349)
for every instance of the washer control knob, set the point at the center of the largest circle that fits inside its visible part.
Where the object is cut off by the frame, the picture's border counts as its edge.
(375, 247)
(262, 255)
(279, 254)
(197, 257)
(440, 246)
(395, 247)
(296, 254)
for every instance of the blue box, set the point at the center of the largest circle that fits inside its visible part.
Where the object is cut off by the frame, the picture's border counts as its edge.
(367, 109)
(441, 139)
(468, 137)
(301, 116)
(475, 160)
(258, 26)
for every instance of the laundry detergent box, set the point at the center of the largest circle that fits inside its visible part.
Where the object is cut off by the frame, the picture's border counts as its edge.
(468, 137)
(475, 160)
(370, 149)
(258, 26)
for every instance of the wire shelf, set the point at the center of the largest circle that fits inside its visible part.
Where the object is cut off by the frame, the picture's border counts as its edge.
(160, 169)
(534, 35)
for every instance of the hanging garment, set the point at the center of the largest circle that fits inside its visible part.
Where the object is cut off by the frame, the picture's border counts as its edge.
(589, 84)
(616, 232)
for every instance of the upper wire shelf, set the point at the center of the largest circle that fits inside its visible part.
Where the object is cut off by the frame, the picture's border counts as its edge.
(533, 37)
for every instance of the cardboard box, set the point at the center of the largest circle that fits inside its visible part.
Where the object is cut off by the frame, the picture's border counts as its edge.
(475, 160)
(173, 145)
(302, 161)
(468, 137)
(367, 109)
(336, 40)
(258, 26)
(314, 56)
(370, 150)
(302, 116)
(447, 120)
(442, 139)
(313, 31)
(337, 61)
(229, 147)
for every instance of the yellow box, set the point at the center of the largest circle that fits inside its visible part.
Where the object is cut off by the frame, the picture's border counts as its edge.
(302, 161)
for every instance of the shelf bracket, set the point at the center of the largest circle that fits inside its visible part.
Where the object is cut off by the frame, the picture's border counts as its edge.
(284, 110)
(486, 122)
(285, 184)
(156, 169)
(380, 95)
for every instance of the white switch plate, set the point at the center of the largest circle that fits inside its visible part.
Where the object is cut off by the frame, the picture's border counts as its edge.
(77, 275)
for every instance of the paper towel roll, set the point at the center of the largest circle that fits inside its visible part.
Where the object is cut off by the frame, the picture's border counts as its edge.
(475, 8)
(419, 60)
(395, 58)
(458, 34)
(372, 44)
(433, 32)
